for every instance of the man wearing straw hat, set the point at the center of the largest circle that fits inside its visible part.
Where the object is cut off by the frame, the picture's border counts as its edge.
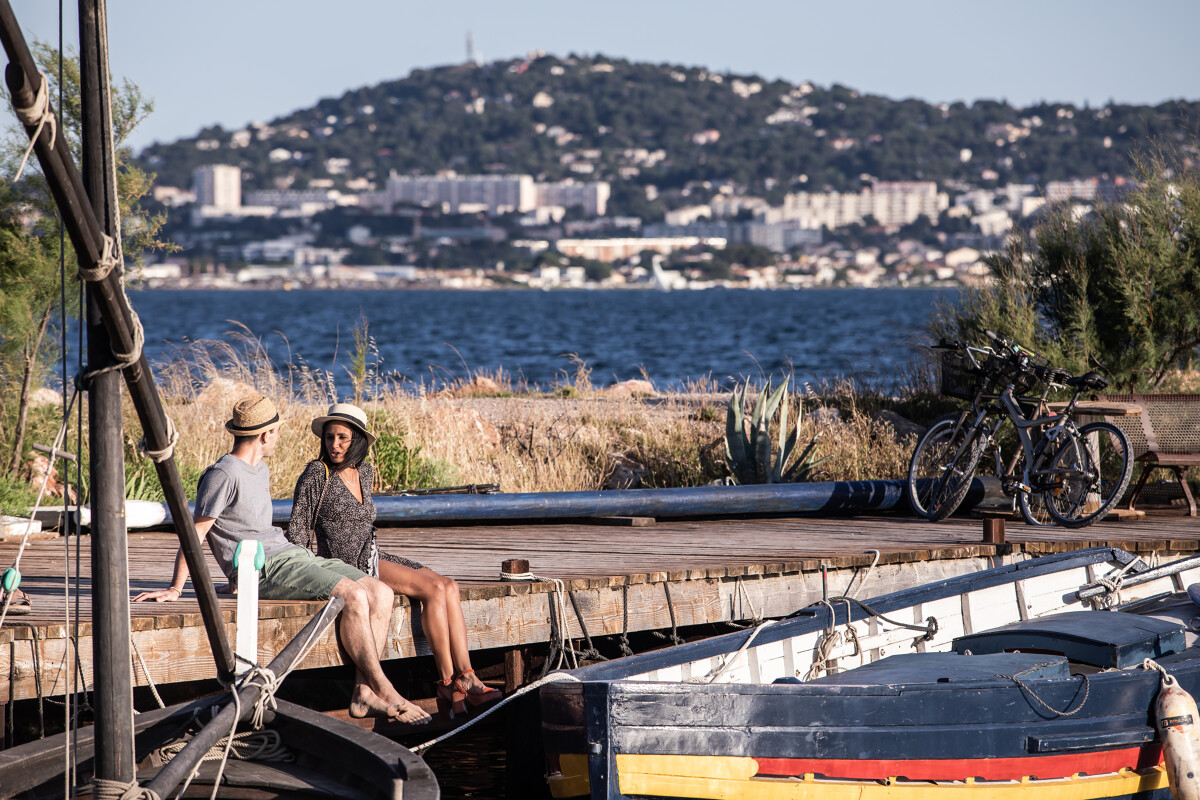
(233, 504)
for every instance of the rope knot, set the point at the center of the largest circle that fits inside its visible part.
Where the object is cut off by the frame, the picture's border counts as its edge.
(159, 456)
(37, 114)
(104, 789)
(268, 683)
(107, 262)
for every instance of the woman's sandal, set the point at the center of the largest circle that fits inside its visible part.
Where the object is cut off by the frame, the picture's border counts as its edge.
(450, 699)
(488, 695)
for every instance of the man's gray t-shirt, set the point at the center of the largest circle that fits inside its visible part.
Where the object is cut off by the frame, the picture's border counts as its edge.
(238, 496)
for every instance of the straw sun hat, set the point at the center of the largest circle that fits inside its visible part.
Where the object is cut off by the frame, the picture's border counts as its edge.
(253, 415)
(346, 413)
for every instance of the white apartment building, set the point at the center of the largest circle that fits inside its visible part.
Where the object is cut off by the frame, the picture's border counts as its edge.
(891, 203)
(495, 194)
(218, 186)
(593, 196)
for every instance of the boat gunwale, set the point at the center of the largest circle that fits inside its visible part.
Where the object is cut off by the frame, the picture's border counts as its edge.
(808, 619)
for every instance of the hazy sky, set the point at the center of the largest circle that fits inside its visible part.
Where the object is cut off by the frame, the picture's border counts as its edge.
(234, 62)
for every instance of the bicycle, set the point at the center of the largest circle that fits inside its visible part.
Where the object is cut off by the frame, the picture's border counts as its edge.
(1061, 473)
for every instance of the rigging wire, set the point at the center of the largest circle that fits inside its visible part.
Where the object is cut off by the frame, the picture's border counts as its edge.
(70, 653)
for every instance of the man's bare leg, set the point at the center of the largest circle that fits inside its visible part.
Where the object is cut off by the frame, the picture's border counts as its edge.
(374, 694)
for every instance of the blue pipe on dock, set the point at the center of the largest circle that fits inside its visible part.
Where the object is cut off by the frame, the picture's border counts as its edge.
(833, 497)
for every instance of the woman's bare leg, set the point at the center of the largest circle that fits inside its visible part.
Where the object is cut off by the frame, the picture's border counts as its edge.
(425, 586)
(460, 653)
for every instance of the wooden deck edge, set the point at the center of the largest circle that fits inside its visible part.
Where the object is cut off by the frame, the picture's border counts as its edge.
(175, 649)
(304, 610)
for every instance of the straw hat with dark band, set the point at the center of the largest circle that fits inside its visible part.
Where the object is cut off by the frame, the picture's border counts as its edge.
(346, 413)
(253, 415)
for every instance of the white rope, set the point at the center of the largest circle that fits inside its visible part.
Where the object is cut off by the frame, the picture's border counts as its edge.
(753, 612)
(55, 449)
(866, 577)
(159, 456)
(107, 262)
(265, 679)
(104, 789)
(247, 746)
(153, 688)
(553, 677)
(566, 647)
(268, 682)
(712, 677)
(831, 639)
(38, 113)
(1166, 679)
(1112, 585)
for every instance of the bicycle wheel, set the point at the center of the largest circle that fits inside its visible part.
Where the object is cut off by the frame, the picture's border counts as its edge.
(952, 485)
(1088, 475)
(929, 461)
(1032, 505)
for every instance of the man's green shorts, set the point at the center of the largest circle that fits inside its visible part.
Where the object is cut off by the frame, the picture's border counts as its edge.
(297, 574)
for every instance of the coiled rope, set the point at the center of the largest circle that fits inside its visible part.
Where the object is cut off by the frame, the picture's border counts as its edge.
(268, 682)
(247, 746)
(104, 789)
(560, 644)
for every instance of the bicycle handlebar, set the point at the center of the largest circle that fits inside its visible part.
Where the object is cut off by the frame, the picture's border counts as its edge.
(1006, 348)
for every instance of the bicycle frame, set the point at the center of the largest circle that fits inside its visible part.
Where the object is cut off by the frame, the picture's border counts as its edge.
(1006, 402)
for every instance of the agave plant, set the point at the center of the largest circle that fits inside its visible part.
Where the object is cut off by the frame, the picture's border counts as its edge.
(748, 452)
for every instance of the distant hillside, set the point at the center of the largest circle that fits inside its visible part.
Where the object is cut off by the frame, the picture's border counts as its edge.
(600, 119)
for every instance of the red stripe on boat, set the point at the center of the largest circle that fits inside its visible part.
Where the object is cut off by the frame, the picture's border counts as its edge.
(992, 769)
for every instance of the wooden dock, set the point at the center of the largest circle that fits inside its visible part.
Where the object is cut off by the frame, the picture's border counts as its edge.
(621, 578)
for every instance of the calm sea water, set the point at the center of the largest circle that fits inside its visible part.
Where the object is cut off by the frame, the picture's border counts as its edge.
(435, 336)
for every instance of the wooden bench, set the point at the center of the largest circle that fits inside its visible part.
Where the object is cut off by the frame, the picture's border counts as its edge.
(1165, 435)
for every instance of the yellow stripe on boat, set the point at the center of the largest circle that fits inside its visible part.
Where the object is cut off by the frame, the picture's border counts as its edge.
(733, 778)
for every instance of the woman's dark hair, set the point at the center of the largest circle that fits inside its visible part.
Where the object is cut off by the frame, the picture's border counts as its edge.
(356, 453)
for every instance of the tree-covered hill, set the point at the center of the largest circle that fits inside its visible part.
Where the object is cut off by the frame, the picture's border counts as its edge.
(641, 124)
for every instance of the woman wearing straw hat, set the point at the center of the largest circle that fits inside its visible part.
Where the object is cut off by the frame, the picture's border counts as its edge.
(332, 508)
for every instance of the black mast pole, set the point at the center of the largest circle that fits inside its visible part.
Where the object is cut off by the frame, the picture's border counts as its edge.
(111, 666)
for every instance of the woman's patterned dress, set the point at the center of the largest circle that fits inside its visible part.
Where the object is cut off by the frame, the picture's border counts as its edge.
(345, 528)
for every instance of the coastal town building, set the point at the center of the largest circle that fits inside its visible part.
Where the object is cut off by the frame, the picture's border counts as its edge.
(218, 186)
(891, 204)
(493, 194)
(592, 197)
(613, 249)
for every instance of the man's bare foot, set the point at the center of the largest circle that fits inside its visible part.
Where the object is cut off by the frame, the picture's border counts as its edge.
(411, 714)
(365, 703)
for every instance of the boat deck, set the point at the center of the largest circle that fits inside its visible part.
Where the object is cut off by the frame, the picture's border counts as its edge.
(621, 578)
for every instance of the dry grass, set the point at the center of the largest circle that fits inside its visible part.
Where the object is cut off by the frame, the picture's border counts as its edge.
(492, 428)
(856, 446)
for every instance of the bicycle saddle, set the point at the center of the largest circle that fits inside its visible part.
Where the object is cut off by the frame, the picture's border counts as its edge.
(1088, 380)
